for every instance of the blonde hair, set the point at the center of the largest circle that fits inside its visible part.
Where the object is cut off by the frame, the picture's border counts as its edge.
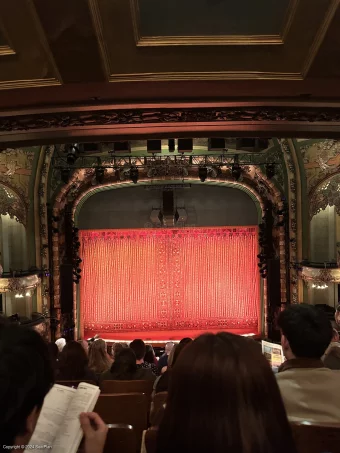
(99, 360)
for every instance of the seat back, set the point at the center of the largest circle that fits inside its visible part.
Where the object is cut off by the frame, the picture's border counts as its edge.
(150, 440)
(74, 384)
(127, 387)
(120, 438)
(157, 408)
(130, 409)
(316, 438)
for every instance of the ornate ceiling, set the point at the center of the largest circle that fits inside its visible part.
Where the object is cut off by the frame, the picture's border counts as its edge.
(125, 62)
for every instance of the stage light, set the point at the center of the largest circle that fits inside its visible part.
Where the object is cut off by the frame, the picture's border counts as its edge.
(72, 153)
(100, 174)
(65, 175)
(134, 174)
(270, 171)
(203, 173)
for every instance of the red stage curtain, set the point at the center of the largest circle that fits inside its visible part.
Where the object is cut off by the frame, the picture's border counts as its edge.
(169, 280)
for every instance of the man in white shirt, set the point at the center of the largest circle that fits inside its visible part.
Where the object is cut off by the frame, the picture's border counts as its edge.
(309, 389)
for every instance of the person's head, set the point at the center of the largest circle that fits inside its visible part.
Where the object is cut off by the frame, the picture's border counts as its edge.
(171, 355)
(149, 354)
(306, 331)
(223, 396)
(61, 343)
(177, 350)
(185, 340)
(99, 360)
(85, 345)
(116, 348)
(168, 347)
(124, 365)
(138, 347)
(73, 362)
(337, 315)
(26, 376)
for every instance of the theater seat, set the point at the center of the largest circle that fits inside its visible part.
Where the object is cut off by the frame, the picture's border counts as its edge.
(316, 438)
(157, 407)
(120, 438)
(74, 383)
(150, 440)
(127, 387)
(131, 409)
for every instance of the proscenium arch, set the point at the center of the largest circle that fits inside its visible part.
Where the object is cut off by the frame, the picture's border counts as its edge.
(82, 178)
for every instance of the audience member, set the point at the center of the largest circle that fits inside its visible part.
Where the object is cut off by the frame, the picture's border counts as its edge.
(162, 383)
(185, 340)
(139, 348)
(61, 343)
(73, 364)
(219, 401)
(163, 361)
(331, 359)
(85, 345)
(117, 347)
(150, 357)
(337, 317)
(99, 359)
(26, 377)
(170, 359)
(124, 368)
(53, 353)
(309, 389)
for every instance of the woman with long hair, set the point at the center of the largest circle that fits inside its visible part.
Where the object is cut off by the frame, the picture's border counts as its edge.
(99, 359)
(124, 368)
(223, 397)
(73, 364)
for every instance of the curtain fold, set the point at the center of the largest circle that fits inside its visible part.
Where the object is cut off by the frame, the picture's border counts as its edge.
(169, 280)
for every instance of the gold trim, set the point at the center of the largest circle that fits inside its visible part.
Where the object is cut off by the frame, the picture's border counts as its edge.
(320, 36)
(98, 26)
(6, 50)
(221, 40)
(223, 75)
(30, 83)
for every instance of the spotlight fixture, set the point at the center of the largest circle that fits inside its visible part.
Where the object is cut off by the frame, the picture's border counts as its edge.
(236, 169)
(270, 171)
(134, 174)
(100, 174)
(65, 175)
(203, 173)
(72, 154)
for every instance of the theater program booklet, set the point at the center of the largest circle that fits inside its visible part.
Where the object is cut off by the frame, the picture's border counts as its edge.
(273, 353)
(58, 429)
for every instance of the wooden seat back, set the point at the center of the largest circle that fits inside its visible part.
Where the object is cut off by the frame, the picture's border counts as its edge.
(127, 387)
(130, 409)
(120, 438)
(157, 408)
(316, 438)
(150, 440)
(74, 384)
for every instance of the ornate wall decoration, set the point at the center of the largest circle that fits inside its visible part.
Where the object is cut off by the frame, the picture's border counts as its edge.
(12, 204)
(326, 194)
(19, 284)
(320, 276)
(106, 117)
(293, 219)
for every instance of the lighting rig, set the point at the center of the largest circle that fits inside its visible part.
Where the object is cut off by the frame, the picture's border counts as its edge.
(131, 167)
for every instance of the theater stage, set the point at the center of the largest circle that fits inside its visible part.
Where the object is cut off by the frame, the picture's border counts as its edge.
(162, 284)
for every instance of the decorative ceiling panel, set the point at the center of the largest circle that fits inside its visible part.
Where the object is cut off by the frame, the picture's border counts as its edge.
(117, 29)
(32, 63)
(211, 22)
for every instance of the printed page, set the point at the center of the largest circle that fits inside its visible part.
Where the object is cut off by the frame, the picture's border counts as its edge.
(70, 432)
(51, 417)
(273, 353)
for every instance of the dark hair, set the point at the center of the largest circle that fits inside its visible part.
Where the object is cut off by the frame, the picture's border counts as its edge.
(124, 366)
(138, 346)
(223, 396)
(53, 352)
(179, 349)
(307, 328)
(73, 362)
(185, 340)
(149, 356)
(26, 376)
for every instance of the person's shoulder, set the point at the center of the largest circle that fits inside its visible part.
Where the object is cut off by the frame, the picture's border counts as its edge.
(144, 374)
